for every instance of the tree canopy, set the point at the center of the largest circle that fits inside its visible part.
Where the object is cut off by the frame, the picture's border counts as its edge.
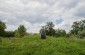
(78, 26)
(21, 31)
(2, 28)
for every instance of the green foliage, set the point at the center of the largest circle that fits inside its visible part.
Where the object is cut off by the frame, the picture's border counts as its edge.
(78, 29)
(2, 33)
(49, 29)
(50, 32)
(21, 31)
(2, 25)
(9, 33)
(60, 33)
(33, 45)
(16, 34)
(78, 26)
(49, 26)
(82, 33)
(2, 28)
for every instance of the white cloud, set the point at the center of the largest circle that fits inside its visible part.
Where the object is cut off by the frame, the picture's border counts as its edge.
(35, 13)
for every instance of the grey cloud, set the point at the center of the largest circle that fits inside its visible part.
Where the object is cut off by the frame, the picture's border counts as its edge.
(33, 19)
(80, 12)
(71, 4)
(13, 12)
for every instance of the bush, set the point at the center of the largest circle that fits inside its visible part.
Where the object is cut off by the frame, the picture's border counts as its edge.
(20, 32)
(82, 33)
(50, 32)
(60, 33)
(16, 34)
(9, 33)
(2, 33)
(2, 28)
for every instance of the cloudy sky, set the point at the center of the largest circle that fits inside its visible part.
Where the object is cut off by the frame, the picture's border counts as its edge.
(35, 13)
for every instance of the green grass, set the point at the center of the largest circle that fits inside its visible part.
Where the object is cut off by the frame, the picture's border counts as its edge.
(33, 45)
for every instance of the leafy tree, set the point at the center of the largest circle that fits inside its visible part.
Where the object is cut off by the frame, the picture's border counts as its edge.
(2, 25)
(9, 33)
(2, 28)
(50, 32)
(49, 29)
(78, 26)
(16, 33)
(21, 30)
(60, 33)
(82, 33)
(49, 26)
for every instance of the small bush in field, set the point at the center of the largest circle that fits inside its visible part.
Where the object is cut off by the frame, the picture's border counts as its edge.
(21, 31)
(9, 33)
(17, 34)
(60, 32)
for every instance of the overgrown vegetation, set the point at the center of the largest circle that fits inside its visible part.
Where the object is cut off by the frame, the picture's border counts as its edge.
(2, 28)
(78, 30)
(21, 31)
(50, 31)
(33, 45)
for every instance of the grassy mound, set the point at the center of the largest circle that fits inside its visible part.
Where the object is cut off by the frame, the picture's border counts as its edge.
(33, 45)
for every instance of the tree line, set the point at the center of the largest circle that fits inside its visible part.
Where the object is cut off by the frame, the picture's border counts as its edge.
(78, 30)
(20, 32)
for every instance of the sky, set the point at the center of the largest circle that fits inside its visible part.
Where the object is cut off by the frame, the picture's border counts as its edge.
(33, 14)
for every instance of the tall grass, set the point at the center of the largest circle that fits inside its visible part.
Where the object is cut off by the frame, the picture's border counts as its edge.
(33, 45)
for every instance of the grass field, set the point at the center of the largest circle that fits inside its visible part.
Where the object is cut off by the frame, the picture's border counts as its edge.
(33, 45)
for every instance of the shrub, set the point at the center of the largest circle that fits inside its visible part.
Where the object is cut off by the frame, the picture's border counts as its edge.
(50, 32)
(60, 33)
(16, 34)
(20, 32)
(82, 33)
(9, 34)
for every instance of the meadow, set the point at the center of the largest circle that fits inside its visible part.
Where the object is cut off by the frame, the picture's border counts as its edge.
(34, 45)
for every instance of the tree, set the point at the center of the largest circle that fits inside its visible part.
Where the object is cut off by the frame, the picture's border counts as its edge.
(78, 26)
(2, 25)
(9, 33)
(21, 30)
(60, 32)
(49, 29)
(16, 33)
(49, 25)
(82, 33)
(2, 28)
